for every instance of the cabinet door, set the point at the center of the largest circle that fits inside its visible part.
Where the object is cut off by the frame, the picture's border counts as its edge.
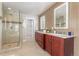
(39, 37)
(69, 46)
(48, 43)
(36, 36)
(52, 45)
(58, 46)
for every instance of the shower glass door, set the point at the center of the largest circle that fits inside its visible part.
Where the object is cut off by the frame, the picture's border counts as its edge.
(11, 34)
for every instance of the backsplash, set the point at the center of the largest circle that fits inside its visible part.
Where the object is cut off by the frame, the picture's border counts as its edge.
(65, 33)
(58, 32)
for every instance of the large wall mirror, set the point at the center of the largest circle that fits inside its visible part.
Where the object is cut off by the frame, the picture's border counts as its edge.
(61, 16)
(42, 22)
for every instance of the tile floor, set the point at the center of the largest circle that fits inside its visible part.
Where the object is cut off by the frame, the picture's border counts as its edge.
(29, 48)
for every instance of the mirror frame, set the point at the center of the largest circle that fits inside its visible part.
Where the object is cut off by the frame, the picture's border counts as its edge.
(66, 27)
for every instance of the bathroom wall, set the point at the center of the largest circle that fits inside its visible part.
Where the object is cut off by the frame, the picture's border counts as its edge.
(73, 21)
(1, 14)
(49, 15)
(73, 24)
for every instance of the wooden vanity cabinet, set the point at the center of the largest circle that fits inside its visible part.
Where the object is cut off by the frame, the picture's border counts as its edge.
(39, 37)
(62, 46)
(48, 44)
(69, 46)
(55, 46)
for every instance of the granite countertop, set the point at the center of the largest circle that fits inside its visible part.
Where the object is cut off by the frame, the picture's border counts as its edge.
(58, 35)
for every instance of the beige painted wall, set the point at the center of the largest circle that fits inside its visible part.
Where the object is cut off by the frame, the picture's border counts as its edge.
(73, 21)
(49, 21)
(49, 15)
(73, 24)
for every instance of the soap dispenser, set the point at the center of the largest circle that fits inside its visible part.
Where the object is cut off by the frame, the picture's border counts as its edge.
(69, 33)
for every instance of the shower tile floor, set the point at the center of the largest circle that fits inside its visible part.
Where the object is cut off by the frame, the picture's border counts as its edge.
(29, 48)
(11, 45)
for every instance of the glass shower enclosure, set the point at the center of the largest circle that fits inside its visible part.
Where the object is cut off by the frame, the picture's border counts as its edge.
(11, 31)
(10, 34)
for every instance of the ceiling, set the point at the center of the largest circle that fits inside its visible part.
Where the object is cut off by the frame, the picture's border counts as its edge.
(29, 8)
